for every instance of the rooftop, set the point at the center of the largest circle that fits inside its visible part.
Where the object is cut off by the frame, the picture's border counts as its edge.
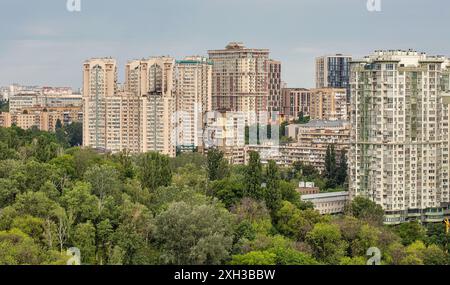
(323, 124)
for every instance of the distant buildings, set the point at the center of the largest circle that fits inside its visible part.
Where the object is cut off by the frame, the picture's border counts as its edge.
(399, 156)
(310, 143)
(318, 104)
(42, 107)
(162, 107)
(22, 101)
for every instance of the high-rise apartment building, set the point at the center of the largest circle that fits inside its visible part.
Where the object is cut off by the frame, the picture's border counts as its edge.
(193, 93)
(275, 100)
(329, 104)
(101, 106)
(399, 156)
(333, 71)
(241, 79)
(295, 101)
(152, 81)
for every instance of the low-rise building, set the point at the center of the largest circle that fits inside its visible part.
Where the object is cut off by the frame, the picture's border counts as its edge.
(307, 188)
(331, 203)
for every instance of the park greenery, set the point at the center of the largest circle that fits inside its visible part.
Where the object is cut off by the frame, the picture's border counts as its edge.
(125, 209)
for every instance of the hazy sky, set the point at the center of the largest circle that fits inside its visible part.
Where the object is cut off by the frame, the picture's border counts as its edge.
(44, 44)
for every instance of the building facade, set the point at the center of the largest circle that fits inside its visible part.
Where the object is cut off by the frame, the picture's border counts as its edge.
(295, 101)
(101, 106)
(399, 155)
(274, 80)
(193, 93)
(241, 79)
(333, 71)
(328, 203)
(329, 104)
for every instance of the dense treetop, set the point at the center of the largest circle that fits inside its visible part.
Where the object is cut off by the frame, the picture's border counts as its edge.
(193, 209)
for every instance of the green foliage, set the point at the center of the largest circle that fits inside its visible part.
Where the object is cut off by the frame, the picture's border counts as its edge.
(326, 242)
(194, 235)
(411, 232)
(127, 209)
(366, 210)
(253, 177)
(216, 164)
(154, 171)
(255, 258)
(4, 106)
(273, 195)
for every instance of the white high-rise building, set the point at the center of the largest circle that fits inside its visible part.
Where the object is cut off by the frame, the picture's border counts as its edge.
(399, 156)
(193, 92)
(101, 106)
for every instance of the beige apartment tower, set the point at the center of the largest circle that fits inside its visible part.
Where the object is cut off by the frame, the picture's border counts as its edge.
(152, 81)
(242, 80)
(329, 104)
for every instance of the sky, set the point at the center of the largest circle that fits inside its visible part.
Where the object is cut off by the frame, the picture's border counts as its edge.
(43, 43)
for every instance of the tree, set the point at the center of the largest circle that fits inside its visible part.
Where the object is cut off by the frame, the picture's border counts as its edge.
(17, 248)
(411, 232)
(433, 255)
(326, 241)
(216, 165)
(253, 177)
(74, 133)
(254, 258)
(295, 223)
(194, 234)
(154, 170)
(35, 204)
(104, 183)
(8, 192)
(273, 194)
(80, 204)
(83, 238)
(366, 210)
(357, 260)
(229, 190)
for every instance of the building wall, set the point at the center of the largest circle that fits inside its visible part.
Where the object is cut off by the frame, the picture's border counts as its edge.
(329, 104)
(274, 100)
(99, 89)
(241, 79)
(328, 203)
(295, 101)
(193, 93)
(399, 153)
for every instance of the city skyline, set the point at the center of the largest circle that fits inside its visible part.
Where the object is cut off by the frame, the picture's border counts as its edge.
(46, 45)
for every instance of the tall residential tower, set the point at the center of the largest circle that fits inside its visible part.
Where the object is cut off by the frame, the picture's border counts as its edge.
(399, 154)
